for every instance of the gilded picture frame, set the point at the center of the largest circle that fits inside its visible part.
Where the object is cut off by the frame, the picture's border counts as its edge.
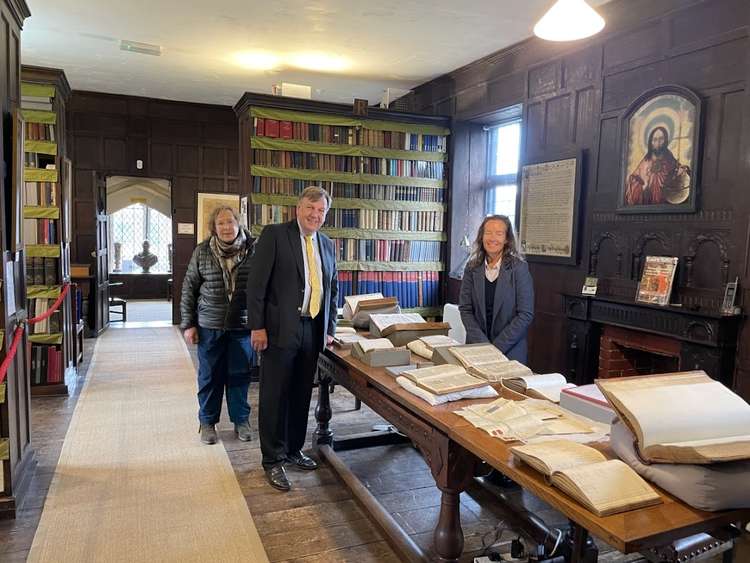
(661, 134)
(206, 203)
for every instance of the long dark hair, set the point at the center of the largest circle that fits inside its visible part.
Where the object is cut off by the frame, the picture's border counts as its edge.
(510, 250)
(650, 149)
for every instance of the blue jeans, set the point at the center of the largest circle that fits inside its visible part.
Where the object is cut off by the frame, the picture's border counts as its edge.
(224, 360)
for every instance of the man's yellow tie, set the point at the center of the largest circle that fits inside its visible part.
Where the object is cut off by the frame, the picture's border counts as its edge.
(312, 268)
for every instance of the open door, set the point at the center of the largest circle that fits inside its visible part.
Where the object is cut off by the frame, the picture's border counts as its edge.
(102, 254)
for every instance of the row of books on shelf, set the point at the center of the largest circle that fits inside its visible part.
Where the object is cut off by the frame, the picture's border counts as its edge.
(387, 250)
(40, 132)
(405, 141)
(42, 271)
(273, 128)
(431, 221)
(45, 194)
(36, 102)
(46, 364)
(360, 164)
(306, 161)
(346, 135)
(383, 192)
(402, 168)
(51, 324)
(40, 231)
(38, 160)
(412, 289)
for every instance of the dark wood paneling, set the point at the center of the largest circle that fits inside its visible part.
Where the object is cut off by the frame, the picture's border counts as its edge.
(178, 141)
(574, 96)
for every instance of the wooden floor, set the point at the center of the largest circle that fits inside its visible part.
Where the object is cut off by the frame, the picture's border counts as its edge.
(318, 521)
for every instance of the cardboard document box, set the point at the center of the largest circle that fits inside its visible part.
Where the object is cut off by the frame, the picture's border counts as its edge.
(381, 357)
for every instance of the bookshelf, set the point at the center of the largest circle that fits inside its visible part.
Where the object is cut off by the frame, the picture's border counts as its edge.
(387, 174)
(46, 201)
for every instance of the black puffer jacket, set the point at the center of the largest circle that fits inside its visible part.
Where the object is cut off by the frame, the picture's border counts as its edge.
(204, 298)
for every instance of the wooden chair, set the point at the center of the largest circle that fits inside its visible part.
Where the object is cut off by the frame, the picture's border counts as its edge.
(118, 306)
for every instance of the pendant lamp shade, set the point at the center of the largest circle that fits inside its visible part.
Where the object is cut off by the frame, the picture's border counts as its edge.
(568, 20)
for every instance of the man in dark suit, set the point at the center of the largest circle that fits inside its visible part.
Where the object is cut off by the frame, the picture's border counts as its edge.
(291, 305)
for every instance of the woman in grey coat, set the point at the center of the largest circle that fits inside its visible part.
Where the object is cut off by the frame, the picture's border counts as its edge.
(497, 292)
(214, 315)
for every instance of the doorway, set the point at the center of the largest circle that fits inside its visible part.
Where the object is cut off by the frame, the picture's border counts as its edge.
(139, 212)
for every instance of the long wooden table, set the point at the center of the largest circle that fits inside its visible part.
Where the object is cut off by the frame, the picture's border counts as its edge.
(452, 447)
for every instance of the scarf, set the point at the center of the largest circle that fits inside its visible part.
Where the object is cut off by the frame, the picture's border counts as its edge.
(229, 255)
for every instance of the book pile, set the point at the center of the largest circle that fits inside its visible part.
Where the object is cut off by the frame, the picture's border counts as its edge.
(604, 486)
(521, 420)
(684, 417)
(345, 336)
(404, 327)
(379, 352)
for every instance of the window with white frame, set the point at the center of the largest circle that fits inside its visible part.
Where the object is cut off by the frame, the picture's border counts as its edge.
(132, 225)
(504, 143)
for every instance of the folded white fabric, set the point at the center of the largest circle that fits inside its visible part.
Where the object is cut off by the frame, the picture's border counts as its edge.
(718, 486)
(477, 393)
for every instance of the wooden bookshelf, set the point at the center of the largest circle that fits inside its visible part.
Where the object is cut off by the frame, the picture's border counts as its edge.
(387, 173)
(46, 198)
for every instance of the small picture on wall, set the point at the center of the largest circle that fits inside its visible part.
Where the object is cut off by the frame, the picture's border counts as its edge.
(207, 202)
(661, 138)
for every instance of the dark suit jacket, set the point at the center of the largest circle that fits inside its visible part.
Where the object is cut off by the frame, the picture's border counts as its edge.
(276, 285)
(513, 308)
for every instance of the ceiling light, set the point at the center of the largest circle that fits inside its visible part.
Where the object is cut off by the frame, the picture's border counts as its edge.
(320, 62)
(568, 20)
(143, 48)
(257, 60)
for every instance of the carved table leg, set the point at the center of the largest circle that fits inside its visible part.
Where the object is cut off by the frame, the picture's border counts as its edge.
(323, 433)
(449, 537)
(453, 469)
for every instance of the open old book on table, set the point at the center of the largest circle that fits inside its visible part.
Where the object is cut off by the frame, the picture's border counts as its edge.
(544, 386)
(684, 417)
(358, 308)
(402, 328)
(604, 486)
(443, 379)
(487, 362)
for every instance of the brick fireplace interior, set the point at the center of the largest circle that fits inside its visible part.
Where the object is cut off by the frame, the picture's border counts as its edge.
(625, 352)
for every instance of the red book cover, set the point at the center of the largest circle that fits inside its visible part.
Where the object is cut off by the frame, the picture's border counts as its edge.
(259, 127)
(272, 128)
(285, 130)
(51, 376)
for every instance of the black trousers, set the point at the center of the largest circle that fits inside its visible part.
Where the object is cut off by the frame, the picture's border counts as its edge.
(286, 381)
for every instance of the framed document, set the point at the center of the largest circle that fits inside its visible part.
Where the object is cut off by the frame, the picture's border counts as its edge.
(207, 202)
(548, 211)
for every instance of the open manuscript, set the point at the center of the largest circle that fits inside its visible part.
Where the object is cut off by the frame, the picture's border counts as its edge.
(604, 486)
(487, 362)
(682, 417)
(521, 420)
(545, 386)
(444, 379)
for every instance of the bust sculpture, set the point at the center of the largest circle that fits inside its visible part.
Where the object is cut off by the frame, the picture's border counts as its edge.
(145, 259)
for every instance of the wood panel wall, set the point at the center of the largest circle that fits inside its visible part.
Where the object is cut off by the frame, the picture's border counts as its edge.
(14, 413)
(192, 145)
(573, 97)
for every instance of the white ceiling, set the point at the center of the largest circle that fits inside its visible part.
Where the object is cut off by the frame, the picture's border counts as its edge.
(389, 43)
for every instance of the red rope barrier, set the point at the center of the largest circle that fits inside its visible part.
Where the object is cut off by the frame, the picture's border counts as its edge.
(19, 331)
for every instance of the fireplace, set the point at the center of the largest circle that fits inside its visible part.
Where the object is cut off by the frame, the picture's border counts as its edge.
(610, 337)
(624, 352)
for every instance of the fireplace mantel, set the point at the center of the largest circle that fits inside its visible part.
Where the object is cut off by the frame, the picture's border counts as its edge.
(707, 340)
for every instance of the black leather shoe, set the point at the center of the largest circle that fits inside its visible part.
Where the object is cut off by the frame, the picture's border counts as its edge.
(302, 461)
(277, 478)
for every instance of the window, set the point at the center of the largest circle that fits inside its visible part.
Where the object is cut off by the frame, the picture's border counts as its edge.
(132, 225)
(502, 169)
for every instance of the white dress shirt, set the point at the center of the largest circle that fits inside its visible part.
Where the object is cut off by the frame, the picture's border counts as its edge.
(306, 299)
(492, 272)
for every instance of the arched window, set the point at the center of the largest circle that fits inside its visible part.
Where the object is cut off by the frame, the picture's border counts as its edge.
(132, 225)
